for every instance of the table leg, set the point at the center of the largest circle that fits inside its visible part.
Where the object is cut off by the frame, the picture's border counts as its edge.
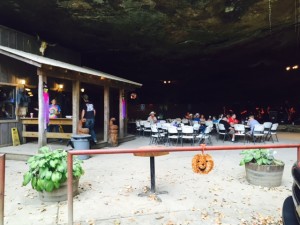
(152, 192)
(152, 174)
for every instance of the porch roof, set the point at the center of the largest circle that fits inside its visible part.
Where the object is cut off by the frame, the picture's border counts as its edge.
(39, 61)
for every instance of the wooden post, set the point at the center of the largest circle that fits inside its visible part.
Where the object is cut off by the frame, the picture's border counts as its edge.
(126, 118)
(106, 113)
(121, 119)
(75, 105)
(42, 140)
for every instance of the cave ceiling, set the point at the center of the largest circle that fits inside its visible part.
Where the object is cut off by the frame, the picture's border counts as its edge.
(185, 41)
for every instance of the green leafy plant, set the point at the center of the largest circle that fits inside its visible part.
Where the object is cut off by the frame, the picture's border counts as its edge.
(259, 156)
(48, 169)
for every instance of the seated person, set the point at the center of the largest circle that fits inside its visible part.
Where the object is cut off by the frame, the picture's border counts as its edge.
(196, 117)
(252, 122)
(152, 118)
(228, 128)
(232, 120)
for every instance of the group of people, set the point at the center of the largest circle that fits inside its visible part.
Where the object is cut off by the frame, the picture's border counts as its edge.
(230, 121)
(227, 120)
(88, 113)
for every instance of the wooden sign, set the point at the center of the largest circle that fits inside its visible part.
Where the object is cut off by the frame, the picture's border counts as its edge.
(15, 136)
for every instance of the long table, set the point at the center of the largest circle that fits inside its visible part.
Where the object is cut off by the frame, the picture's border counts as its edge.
(35, 134)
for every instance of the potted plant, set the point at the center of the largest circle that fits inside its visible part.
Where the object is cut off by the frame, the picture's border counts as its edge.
(262, 168)
(48, 174)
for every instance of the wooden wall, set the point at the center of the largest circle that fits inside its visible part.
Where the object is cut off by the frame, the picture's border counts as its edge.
(24, 42)
(5, 132)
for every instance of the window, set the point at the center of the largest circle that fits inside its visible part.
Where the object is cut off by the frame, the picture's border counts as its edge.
(7, 102)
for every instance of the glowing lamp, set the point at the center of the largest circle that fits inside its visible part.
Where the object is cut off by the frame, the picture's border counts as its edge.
(60, 86)
(82, 89)
(22, 81)
(133, 96)
(288, 68)
(295, 67)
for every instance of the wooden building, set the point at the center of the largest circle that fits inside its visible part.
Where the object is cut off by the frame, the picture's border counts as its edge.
(23, 68)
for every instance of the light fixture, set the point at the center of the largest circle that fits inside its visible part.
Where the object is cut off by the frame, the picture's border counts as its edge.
(22, 81)
(169, 82)
(60, 86)
(133, 95)
(82, 89)
(165, 81)
(27, 89)
(288, 68)
(295, 67)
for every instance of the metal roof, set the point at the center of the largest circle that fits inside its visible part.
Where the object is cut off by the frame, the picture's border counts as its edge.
(38, 61)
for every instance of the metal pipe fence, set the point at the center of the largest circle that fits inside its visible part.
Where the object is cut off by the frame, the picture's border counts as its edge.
(2, 186)
(152, 149)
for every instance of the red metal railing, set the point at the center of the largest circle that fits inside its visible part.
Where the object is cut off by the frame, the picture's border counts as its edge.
(151, 149)
(2, 185)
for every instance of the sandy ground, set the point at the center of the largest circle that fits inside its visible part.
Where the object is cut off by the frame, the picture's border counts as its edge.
(111, 184)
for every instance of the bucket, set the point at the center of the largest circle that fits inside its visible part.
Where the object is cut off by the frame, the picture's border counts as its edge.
(81, 142)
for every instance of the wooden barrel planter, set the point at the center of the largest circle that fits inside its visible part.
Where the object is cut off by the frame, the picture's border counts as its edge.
(60, 194)
(264, 175)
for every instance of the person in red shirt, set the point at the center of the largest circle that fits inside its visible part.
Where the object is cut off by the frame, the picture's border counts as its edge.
(232, 120)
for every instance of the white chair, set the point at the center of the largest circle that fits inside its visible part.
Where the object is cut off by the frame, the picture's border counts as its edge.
(222, 131)
(173, 134)
(209, 123)
(196, 128)
(156, 137)
(267, 130)
(258, 133)
(185, 121)
(273, 131)
(138, 128)
(147, 128)
(187, 133)
(240, 131)
(205, 136)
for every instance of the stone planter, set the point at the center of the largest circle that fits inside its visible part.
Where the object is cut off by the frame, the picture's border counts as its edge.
(264, 175)
(60, 194)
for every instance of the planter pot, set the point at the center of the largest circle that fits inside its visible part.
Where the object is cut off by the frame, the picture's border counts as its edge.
(264, 175)
(60, 194)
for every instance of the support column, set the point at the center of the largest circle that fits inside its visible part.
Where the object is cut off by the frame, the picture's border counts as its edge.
(75, 105)
(121, 116)
(42, 139)
(106, 113)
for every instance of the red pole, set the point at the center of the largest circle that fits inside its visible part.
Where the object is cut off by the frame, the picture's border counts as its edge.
(2, 185)
(70, 189)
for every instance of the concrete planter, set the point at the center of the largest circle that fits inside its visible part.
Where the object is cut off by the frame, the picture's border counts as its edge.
(264, 175)
(60, 194)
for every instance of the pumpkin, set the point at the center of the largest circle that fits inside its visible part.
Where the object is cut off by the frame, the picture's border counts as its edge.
(202, 163)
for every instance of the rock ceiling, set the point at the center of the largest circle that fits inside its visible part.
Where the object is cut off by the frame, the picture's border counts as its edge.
(185, 41)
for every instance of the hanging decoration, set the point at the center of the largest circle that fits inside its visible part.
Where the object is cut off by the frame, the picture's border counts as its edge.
(46, 105)
(202, 163)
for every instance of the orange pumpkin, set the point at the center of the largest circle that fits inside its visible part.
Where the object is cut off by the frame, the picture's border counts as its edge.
(202, 163)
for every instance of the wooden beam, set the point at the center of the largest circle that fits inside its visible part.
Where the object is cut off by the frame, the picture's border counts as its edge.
(42, 129)
(106, 113)
(82, 77)
(121, 119)
(75, 105)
